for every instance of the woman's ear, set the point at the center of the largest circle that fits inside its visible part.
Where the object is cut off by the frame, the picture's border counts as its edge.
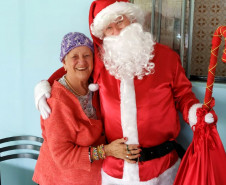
(64, 64)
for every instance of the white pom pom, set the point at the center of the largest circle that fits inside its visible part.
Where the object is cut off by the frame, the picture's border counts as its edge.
(209, 118)
(93, 87)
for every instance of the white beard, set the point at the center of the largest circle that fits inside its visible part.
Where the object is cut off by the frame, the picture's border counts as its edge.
(128, 54)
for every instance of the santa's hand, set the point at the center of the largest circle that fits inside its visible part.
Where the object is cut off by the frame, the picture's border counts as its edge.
(209, 117)
(43, 107)
(41, 93)
(120, 150)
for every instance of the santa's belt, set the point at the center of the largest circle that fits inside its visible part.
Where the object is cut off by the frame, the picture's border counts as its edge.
(160, 151)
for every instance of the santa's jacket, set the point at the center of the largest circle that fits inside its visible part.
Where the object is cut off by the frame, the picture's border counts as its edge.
(158, 96)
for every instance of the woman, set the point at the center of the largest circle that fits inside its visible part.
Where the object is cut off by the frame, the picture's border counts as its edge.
(73, 149)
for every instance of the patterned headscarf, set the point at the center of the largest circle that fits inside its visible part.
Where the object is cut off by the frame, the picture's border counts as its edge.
(73, 40)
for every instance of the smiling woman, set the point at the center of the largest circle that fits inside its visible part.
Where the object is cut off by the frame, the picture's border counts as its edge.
(73, 146)
(73, 125)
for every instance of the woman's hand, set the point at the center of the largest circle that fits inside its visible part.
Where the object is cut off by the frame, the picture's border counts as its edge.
(120, 150)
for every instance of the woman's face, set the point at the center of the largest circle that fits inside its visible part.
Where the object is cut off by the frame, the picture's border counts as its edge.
(79, 63)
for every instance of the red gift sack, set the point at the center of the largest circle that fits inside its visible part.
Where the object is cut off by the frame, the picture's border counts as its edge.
(204, 162)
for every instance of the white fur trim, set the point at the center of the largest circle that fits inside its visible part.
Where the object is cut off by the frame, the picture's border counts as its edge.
(111, 12)
(129, 124)
(41, 88)
(192, 113)
(166, 178)
(93, 87)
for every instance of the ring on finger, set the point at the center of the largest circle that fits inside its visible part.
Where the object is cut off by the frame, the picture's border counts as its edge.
(127, 157)
(127, 148)
(129, 152)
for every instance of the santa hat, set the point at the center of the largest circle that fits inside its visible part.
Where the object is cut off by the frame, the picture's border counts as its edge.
(103, 12)
(98, 11)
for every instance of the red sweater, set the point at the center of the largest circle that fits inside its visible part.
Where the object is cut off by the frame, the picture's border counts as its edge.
(67, 134)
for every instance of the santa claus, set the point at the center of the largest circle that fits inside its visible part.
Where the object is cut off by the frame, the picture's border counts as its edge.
(141, 86)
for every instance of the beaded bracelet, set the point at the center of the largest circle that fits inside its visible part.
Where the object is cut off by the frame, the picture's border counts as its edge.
(95, 155)
(101, 151)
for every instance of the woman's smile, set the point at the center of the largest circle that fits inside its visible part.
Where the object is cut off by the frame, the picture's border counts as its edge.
(81, 68)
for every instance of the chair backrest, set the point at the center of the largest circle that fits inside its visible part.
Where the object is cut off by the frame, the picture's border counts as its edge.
(31, 144)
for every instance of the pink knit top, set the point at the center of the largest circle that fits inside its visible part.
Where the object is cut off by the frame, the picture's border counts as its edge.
(67, 134)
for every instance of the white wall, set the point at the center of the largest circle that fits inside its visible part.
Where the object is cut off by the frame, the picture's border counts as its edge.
(219, 93)
(30, 37)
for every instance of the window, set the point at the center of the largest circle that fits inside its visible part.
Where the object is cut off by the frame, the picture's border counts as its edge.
(187, 27)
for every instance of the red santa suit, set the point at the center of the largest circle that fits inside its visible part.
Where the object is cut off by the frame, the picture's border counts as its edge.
(144, 110)
(158, 97)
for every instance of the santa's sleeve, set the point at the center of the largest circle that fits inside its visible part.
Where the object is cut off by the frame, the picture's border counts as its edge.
(56, 75)
(182, 90)
(60, 131)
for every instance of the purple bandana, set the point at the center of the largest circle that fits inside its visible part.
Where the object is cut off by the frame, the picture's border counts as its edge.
(73, 40)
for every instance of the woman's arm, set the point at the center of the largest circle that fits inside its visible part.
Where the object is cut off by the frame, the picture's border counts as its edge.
(117, 149)
(60, 132)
